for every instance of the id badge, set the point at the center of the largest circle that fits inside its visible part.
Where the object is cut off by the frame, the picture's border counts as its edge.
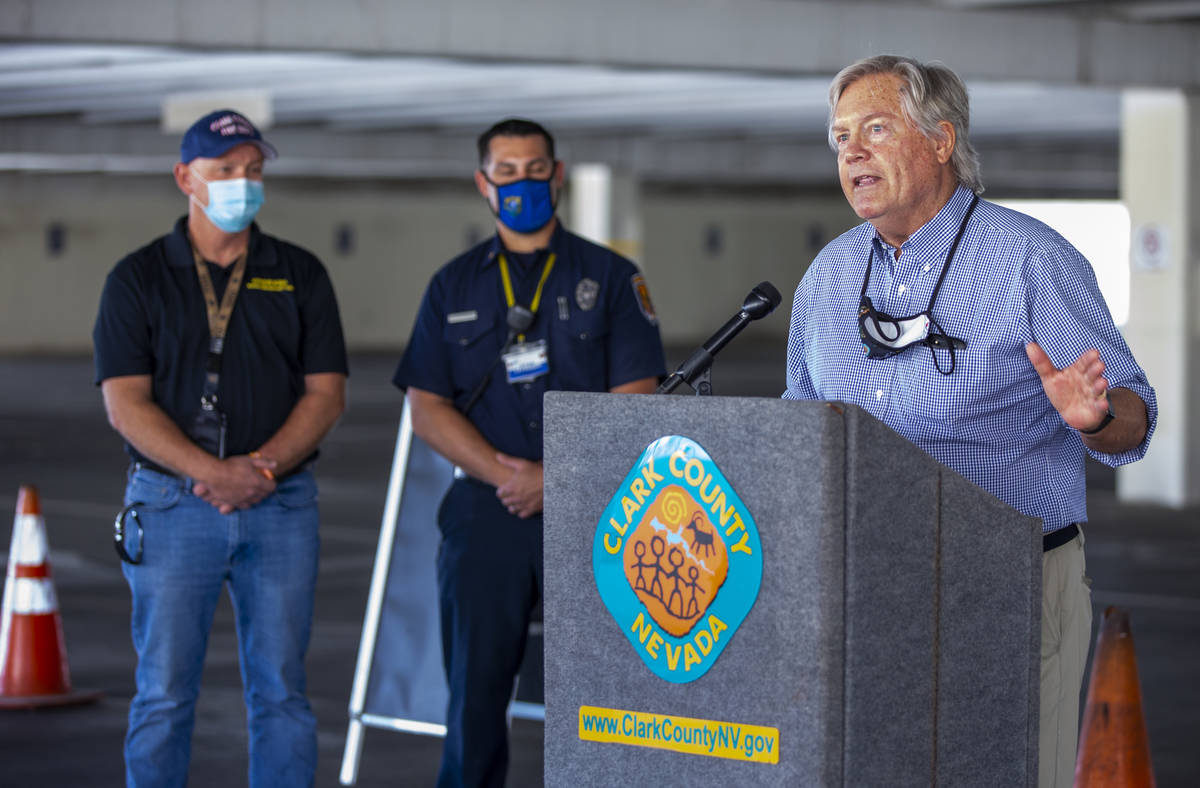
(526, 361)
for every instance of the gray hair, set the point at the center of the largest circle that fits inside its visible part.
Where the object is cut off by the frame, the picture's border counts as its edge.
(931, 93)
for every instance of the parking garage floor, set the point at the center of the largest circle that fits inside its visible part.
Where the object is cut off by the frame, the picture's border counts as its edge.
(53, 434)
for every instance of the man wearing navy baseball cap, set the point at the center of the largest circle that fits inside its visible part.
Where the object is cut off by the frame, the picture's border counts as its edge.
(220, 356)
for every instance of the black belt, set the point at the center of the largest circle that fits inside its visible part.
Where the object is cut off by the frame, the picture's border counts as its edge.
(153, 466)
(1059, 538)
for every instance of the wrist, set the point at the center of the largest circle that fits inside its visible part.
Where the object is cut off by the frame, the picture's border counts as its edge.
(206, 469)
(1104, 422)
(263, 471)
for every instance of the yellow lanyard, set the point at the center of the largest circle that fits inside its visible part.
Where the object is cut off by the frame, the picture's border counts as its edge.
(511, 300)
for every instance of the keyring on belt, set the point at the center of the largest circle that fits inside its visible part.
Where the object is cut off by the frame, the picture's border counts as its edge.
(119, 533)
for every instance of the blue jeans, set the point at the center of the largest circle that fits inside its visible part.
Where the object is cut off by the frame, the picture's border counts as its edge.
(268, 556)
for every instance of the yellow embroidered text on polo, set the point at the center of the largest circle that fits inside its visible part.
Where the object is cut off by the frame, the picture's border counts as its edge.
(270, 285)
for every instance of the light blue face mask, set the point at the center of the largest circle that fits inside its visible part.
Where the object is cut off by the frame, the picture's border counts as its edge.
(232, 204)
(524, 206)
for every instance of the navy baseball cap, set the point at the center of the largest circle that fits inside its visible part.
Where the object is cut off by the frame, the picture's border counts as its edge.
(217, 132)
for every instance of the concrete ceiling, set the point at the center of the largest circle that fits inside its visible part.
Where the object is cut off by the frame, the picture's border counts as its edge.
(88, 94)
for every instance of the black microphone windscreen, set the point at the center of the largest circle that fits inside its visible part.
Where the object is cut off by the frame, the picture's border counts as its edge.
(761, 301)
(519, 319)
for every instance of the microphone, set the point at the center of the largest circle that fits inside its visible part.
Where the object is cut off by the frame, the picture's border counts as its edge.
(759, 303)
(519, 320)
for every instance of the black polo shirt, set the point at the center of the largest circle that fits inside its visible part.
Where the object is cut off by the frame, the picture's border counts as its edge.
(285, 325)
(595, 315)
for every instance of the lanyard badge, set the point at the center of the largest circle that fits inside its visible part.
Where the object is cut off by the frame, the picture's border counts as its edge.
(525, 361)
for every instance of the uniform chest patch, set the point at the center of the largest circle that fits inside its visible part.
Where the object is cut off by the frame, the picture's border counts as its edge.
(586, 293)
(270, 285)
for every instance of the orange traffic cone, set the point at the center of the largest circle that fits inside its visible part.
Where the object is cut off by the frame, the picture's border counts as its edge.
(33, 657)
(1114, 749)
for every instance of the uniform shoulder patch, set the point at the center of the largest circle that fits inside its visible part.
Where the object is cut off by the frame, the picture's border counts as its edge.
(642, 293)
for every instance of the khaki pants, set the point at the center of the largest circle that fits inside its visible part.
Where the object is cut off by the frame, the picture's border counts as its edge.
(1066, 636)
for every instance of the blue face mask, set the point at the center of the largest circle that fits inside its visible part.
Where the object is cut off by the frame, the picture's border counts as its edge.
(524, 206)
(232, 204)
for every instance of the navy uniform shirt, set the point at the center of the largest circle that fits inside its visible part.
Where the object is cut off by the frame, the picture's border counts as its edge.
(595, 315)
(285, 325)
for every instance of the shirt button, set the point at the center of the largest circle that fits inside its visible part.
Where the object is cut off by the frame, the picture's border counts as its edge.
(901, 288)
(879, 395)
(583, 335)
(526, 386)
(927, 266)
(463, 341)
(533, 425)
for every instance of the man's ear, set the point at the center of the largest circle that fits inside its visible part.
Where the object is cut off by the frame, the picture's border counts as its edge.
(945, 146)
(183, 178)
(481, 183)
(560, 173)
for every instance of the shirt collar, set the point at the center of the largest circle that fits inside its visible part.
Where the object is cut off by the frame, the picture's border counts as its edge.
(179, 247)
(495, 246)
(934, 236)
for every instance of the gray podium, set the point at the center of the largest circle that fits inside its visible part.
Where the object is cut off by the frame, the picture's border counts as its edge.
(893, 638)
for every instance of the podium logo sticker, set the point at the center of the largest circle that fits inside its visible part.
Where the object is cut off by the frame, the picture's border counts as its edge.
(677, 559)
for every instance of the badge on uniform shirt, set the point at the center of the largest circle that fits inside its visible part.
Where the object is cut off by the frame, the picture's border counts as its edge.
(642, 292)
(586, 292)
(526, 361)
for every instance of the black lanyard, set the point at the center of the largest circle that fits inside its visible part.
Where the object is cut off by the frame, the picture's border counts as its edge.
(949, 259)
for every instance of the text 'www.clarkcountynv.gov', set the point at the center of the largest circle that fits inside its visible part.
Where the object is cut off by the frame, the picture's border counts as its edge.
(681, 734)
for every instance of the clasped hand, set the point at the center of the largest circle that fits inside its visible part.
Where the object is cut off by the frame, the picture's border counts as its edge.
(522, 493)
(238, 483)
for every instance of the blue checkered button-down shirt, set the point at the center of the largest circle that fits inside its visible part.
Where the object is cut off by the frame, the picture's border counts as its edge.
(1012, 280)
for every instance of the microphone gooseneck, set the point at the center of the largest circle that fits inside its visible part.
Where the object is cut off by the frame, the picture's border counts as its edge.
(759, 303)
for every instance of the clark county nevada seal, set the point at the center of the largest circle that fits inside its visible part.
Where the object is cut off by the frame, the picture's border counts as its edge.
(677, 559)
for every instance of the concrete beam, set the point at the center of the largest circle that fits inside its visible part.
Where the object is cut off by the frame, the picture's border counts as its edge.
(801, 160)
(801, 37)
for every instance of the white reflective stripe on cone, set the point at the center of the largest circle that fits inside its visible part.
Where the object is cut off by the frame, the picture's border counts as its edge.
(30, 595)
(28, 540)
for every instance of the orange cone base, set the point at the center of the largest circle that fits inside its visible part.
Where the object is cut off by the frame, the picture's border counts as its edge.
(69, 698)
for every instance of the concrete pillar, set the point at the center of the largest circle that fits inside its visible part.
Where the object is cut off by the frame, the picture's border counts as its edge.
(1160, 184)
(605, 208)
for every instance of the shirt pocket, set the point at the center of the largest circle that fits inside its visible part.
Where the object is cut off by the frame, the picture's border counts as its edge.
(579, 359)
(926, 395)
(472, 347)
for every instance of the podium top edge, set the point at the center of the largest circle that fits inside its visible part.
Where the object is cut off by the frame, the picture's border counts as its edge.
(836, 406)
